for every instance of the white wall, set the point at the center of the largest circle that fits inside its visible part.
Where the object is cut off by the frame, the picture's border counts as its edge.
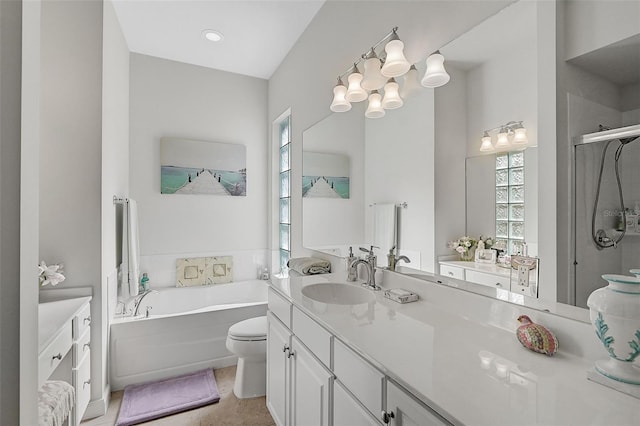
(337, 134)
(399, 168)
(10, 58)
(115, 167)
(71, 152)
(330, 44)
(172, 99)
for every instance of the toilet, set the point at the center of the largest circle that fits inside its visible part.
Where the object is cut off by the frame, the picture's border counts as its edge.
(248, 340)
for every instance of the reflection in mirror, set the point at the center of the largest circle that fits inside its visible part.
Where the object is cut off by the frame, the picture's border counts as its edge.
(332, 147)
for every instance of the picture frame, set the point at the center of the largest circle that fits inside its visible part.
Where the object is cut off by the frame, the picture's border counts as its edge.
(485, 256)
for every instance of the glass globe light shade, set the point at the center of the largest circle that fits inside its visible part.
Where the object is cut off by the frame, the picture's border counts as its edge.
(340, 103)
(520, 136)
(503, 140)
(486, 145)
(411, 83)
(374, 109)
(372, 80)
(396, 64)
(436, 75)
(392, 99)
(355, 92)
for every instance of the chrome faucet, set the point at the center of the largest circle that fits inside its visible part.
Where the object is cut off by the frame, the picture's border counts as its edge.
(138, 301)
(393, 260)
(370, 263)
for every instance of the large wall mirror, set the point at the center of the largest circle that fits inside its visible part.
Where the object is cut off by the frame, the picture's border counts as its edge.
(428, 155)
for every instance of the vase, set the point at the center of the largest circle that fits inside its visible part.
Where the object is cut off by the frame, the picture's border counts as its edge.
(615, 313)
(468, 255)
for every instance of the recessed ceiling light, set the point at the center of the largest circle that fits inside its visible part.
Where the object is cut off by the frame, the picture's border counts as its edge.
(212, 35)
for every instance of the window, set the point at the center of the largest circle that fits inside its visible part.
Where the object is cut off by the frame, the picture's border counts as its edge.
(510, 199)
(284, 136)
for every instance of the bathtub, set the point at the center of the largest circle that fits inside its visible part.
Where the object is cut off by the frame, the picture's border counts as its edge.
(185, 331)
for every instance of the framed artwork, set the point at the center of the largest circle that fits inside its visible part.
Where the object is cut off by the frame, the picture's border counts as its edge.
(199, 167)
(325, 175)
(204, 271)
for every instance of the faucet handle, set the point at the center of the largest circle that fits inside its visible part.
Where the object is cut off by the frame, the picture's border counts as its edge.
(370, 252)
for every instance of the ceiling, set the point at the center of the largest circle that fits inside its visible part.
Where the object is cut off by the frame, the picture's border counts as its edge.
(258, 34)
(618, 62)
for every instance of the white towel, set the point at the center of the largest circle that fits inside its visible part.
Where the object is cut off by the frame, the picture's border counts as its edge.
(384, 229)
(130, 250)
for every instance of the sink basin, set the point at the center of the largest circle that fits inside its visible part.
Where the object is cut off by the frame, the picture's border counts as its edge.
(338, 294)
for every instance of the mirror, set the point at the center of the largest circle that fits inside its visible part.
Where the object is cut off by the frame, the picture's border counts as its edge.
(494, 80)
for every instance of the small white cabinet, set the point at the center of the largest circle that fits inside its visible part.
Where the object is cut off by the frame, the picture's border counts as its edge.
(405, 410)
(310, 388)
(347, 411)
(278, 345)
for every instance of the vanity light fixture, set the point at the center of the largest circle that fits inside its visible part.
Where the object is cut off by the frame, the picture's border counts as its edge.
(392, 99)
(373, 78)
(436, 75)
(513, 129)
(340, 103)
(374, 109)
(380, 71)
(355, 92)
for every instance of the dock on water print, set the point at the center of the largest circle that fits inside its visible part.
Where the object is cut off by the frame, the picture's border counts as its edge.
(200, 167)
(325, 175)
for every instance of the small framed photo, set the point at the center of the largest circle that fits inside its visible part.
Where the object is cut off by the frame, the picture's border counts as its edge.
(485, 256)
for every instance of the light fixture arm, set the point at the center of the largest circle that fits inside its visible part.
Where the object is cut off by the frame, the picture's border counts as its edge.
(509, 127)
(393, 34)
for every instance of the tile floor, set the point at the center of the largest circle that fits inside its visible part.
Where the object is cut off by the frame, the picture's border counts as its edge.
(229, 411)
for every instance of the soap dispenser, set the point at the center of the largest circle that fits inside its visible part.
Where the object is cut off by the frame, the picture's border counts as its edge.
(391, 259)
(352, 272)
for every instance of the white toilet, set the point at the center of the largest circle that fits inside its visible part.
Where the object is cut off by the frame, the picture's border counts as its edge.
(248, 340)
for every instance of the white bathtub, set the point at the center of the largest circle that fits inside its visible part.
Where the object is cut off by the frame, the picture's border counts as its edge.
(186, 331)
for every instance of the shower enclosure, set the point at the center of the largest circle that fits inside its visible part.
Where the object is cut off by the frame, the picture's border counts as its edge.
(606, 208)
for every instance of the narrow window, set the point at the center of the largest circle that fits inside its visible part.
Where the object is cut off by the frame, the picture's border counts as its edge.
(510, 199)
(284, 136)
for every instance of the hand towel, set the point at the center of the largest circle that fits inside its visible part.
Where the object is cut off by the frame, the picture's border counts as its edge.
(130, 250)
(309, 265)
(384, 229)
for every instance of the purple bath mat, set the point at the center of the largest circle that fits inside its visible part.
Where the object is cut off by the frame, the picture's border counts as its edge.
(153, 400)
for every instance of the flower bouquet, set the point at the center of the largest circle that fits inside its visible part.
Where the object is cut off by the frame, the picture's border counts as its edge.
(465, 246)
(52, 274)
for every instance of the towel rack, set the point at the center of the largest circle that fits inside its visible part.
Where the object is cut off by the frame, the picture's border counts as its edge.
(120, 200)
(403, 205)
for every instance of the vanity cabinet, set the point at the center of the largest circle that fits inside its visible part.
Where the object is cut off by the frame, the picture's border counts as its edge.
(64, 328)
(313, 378)
(298, 384)
(404, 410)
(489, 275)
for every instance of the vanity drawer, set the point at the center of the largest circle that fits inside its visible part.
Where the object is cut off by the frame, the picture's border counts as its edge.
(280, 307)
(81, 347)
(50, 358)
(363, 380)
(313, 336)
(452, 271)
(82, 321)
(82, 384)
(490, 280)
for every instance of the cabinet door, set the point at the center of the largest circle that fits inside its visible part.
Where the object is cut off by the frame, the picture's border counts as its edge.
(347, 411)
(404, 410)
(310, 385)
(278, 344)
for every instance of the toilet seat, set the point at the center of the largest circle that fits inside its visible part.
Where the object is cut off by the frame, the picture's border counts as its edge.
(252, 329)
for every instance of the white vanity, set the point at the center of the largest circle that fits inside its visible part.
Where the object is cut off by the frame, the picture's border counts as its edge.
(64, 343)
(450, 358)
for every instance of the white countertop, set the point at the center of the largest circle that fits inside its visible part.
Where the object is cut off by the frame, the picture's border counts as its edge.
(433, 347)
(52, 316)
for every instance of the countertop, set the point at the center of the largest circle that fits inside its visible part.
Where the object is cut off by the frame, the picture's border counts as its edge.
(473, 371)
(52, 316)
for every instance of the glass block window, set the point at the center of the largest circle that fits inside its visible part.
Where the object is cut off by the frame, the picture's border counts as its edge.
(285, 192)
(510, 221)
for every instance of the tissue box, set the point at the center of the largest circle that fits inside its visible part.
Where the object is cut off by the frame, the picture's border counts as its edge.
(400, 295)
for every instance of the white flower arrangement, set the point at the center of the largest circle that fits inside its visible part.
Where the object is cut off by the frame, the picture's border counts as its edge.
(52, 274)
(463, 245)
